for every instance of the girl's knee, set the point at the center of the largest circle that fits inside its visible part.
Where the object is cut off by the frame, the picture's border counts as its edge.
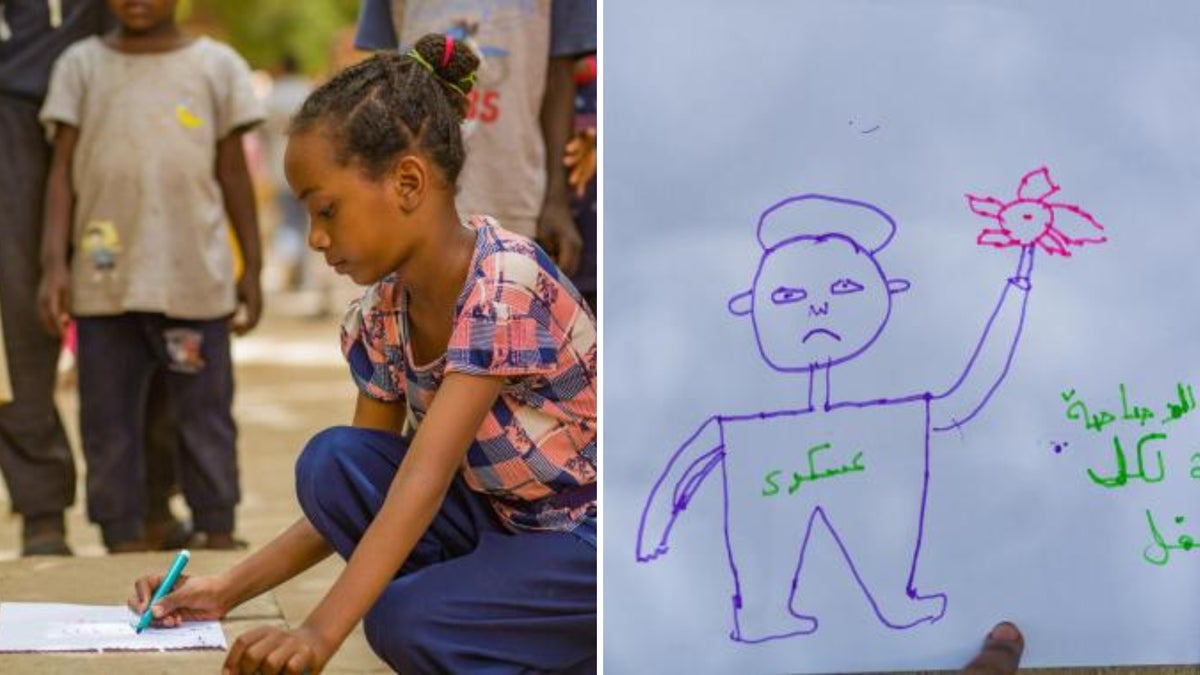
(318, 454)
(319, 458)
(399, 629)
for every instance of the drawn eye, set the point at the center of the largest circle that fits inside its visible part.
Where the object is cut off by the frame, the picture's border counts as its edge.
(784, 295)
(844, 286)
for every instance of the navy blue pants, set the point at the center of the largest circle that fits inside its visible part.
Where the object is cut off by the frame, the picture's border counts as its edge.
(118, 357)
(472, 597)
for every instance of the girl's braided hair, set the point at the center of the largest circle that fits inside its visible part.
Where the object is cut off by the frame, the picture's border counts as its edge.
(391, 103)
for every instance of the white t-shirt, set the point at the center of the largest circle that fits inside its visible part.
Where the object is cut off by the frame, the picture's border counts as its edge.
(149, 233)
(505, 172)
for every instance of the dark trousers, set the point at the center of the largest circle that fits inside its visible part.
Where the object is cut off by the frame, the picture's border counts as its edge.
(472, 597)
(34, 455)
(118, 357)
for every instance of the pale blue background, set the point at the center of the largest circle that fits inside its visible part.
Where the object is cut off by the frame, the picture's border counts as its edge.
(716, 109)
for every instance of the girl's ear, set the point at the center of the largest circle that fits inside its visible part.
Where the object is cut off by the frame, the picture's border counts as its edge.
(410, 180)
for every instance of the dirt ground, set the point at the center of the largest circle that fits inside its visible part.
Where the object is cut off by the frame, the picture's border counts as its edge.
(291, 382)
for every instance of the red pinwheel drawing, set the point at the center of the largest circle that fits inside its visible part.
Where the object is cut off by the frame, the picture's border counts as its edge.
(1032, 220)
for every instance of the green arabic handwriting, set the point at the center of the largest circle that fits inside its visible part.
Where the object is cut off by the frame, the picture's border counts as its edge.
(1187, 403)
(1122, 476)
(1079, 410)
(1139, 413)
(772, 487)
(1159, 553)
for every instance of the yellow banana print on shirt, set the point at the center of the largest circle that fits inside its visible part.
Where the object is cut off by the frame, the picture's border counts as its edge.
(186, 117)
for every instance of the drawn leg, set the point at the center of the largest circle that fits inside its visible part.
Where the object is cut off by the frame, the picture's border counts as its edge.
(764, 571)
(883, 565)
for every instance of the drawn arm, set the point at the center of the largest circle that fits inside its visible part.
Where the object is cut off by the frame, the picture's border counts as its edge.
(993, 354)
(689, 466)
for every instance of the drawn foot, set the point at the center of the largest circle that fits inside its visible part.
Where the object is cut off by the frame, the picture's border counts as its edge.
(755, 627)
(915, 611)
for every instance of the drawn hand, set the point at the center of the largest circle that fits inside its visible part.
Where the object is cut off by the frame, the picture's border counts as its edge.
(193, 599)
(249, 296)
(275, 650)
(580, 158)
(652, 537)
(1001, 652)
(558, 234)
(54, 299)
(645, 555)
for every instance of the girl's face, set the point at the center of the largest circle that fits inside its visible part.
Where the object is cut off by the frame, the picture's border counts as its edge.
(362, 226)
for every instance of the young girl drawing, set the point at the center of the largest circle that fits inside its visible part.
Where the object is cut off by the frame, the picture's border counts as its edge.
(463, 498)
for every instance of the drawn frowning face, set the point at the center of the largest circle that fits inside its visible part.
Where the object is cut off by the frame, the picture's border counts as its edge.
(817, 301)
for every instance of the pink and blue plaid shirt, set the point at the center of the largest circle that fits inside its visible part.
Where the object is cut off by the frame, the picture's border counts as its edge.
(519, 318)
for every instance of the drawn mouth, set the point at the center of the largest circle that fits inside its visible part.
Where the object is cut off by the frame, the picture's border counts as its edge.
(821, 331)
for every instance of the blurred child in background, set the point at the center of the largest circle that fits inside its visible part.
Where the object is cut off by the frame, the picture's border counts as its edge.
(147, 162)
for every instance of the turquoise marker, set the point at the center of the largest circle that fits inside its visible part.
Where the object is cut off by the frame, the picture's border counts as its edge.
(181, 561)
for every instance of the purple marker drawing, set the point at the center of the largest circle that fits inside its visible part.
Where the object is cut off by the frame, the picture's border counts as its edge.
(820, 298)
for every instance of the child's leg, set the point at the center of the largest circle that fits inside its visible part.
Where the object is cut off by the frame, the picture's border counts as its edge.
(34, 455)
(342, 478)
(115, 365)
(200, 379)
(518, 603)
(163, 530)
(471, 597)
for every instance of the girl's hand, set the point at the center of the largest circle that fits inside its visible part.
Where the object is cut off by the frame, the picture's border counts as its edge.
(193, 599)
(275, 650)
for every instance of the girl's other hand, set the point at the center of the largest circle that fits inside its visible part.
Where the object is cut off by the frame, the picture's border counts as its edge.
(275, 650)
(193, 599)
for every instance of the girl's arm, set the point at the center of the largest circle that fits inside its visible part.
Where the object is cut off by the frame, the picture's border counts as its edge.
(412, 501)
(295, 550)
(54, 300)
(234, 178)
(301, 546)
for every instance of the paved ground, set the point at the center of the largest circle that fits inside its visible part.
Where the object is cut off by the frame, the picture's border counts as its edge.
(291, 382)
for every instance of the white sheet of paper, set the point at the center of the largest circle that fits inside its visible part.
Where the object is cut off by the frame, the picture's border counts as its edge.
(56, 627)
(1033, 510)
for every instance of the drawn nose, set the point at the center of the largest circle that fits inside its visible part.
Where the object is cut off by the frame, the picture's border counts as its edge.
(819, 310)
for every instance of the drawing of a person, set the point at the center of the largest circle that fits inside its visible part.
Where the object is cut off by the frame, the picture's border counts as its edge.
(820, 298)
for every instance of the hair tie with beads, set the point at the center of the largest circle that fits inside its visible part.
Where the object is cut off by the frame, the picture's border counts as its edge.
(469, 79)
